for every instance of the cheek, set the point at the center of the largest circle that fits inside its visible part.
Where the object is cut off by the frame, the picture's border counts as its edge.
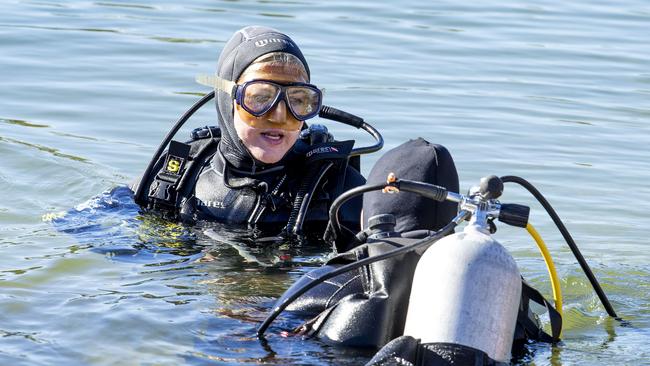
(292, 136)
(241, 116)
(244, 132)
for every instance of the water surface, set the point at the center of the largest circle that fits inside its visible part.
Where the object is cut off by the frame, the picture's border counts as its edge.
(554, 92)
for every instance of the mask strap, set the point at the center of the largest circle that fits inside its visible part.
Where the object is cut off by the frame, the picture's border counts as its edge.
(217, 82)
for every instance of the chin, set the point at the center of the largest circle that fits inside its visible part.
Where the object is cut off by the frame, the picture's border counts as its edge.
(269, 158)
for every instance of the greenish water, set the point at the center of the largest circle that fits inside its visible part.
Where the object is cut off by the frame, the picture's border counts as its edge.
(554, 92)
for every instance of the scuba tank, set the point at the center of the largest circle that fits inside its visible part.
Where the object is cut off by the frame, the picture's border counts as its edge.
(466, 291)
(468, 278)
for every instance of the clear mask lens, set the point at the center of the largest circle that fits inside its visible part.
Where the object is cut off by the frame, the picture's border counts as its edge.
(303, 100)
(260, 97)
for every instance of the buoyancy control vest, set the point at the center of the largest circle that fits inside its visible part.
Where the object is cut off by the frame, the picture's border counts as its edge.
(192, 181)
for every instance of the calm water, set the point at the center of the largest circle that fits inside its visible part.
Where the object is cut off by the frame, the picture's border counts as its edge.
(557, 93)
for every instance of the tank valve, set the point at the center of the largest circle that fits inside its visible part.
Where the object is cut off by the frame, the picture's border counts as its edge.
(491, 187)
(381, 226)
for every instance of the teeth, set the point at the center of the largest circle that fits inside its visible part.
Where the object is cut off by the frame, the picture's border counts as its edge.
(273, 136)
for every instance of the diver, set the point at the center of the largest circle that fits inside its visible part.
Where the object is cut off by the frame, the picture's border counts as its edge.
(263, 166)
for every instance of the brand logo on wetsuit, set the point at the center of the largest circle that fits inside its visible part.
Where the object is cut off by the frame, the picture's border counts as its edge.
(322, 150)
(174, 165)
(265, 41)
(213, 204)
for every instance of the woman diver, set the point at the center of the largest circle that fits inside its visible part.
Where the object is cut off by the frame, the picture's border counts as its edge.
(263, 166)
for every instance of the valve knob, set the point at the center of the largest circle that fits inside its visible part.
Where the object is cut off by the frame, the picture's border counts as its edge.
(491, 187)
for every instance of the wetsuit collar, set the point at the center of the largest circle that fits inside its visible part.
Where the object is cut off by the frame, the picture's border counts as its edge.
(236, 178)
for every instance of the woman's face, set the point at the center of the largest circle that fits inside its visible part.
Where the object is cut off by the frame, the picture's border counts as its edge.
(276, 131)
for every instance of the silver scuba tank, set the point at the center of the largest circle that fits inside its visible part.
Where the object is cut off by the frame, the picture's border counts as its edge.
(466, 290)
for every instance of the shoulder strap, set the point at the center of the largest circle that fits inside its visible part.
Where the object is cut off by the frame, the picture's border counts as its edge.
(169, 188)
(162, 190)
(204, 150)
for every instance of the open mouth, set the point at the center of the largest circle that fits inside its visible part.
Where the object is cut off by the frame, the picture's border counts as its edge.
(273, 135)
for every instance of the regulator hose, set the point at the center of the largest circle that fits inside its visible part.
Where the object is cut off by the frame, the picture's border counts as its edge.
(334, 223)
(569, 240)
(304, 196)
(352, 266)
(550, 266)
(427, 190)
(170, 135)
(350, 119)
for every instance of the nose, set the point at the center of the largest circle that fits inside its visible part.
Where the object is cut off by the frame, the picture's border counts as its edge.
(278, 114)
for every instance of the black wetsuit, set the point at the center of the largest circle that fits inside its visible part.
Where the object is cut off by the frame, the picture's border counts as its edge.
(209, 188)
(267, 199)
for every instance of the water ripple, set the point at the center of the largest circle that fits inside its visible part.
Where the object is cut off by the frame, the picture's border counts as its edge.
(33, 336)
(122, 5)
(46, 149)
(22, 123)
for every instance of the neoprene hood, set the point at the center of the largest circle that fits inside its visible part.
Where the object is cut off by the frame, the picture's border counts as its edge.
(246, 45)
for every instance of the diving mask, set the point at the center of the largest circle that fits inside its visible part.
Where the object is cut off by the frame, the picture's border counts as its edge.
(259, 96)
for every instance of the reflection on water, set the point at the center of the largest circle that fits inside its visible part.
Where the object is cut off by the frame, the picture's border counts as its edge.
(135, 6)
(46, 149)
(182, 40)
(22, 123)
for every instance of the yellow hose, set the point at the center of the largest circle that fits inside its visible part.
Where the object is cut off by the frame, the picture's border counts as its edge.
(555, 282)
